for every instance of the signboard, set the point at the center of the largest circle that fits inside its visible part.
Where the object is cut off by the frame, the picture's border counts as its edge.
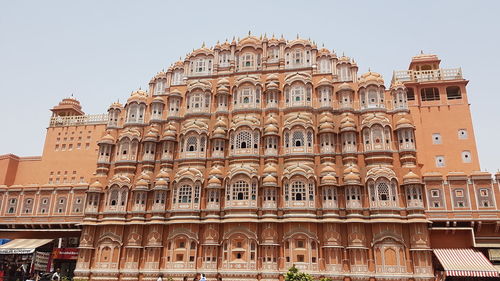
(65, 254)
(41, 260)
(494, 254)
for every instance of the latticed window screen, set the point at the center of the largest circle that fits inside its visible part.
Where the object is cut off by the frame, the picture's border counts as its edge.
(298, 138)
(197, 193)
(298, 191)
(270, 195)
(240, 190)
(192, 144)
(255, 139)
(202, 144)
(353, 193)
(309, 139)
(185, 194)
(254, 190)
(383, 191)
(329, 194)
(243, 140)
(160, 197)
(311, 191)
(213, 196)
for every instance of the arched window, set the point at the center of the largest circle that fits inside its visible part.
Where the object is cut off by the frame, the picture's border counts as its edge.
(344, 73)
(245, 141)
(383, 193)
(298, 191)
(177, 77)
(132, 113)
(240, 190)
(198, 102)
(400, 99)
(325, 96)
(349, 142)
(185, 194)
(325, 65)
(247, 61)
(353, 197)
(298, 140)
(113, 116)
(329, 197)
(191, 144)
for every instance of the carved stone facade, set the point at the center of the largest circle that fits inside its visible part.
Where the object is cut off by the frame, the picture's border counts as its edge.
(259, 154)
(262, 154)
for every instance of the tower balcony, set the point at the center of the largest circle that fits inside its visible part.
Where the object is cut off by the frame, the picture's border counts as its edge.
(427, 75)
(92, 119)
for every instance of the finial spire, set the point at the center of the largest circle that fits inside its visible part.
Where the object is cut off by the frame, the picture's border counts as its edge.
(203, 44)
(421, 52)
(249, 33)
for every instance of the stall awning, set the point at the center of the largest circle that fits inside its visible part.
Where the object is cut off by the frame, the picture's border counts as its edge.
(465, 262)
(22, 246)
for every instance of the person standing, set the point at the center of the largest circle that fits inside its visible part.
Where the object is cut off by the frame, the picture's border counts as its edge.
(56, 276)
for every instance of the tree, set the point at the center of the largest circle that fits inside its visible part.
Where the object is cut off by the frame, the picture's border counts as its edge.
(293, 274)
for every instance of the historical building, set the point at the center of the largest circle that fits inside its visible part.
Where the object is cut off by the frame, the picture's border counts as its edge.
(262, 153)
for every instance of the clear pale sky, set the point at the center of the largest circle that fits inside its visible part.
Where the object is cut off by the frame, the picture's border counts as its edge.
(102, 50)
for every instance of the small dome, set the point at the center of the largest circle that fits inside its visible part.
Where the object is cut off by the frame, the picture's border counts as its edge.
(158, 100)
(152, 135)
(397, 85)
(138, 96)
(215, 171)
(107, 139)
(270, 169)
(271, 129)
(329, 179)
(142, 183)
(347, 124)
(219, 133)
(96, 185)
(161, 183)
(352, 178)
(116, 105)
(175, 92)
(323, 52)
(327, 168)
(214, 180)
(270, 180)
(221, 123)
(170, 132)
(326, 123)
(345, 87)
(351, 175)
(411, 177)
(403, 123)
(371, 78)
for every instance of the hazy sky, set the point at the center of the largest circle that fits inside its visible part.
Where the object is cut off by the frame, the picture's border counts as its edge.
(102, 50)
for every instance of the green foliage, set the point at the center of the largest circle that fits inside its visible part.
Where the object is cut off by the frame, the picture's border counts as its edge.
(325, 279)
(293, 274)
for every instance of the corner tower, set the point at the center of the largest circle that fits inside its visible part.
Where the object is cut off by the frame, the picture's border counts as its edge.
(437, 98)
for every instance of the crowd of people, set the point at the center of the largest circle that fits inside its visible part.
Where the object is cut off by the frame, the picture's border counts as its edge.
(198, 277)
(21, 273)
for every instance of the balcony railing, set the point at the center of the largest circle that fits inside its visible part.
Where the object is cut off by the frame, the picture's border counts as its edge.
(427, 75)
(61, 121)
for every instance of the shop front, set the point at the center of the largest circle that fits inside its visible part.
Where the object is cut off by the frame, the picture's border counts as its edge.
(64, 259)
(22, 258)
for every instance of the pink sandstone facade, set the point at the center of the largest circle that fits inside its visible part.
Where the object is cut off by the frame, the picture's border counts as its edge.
(259, 154)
